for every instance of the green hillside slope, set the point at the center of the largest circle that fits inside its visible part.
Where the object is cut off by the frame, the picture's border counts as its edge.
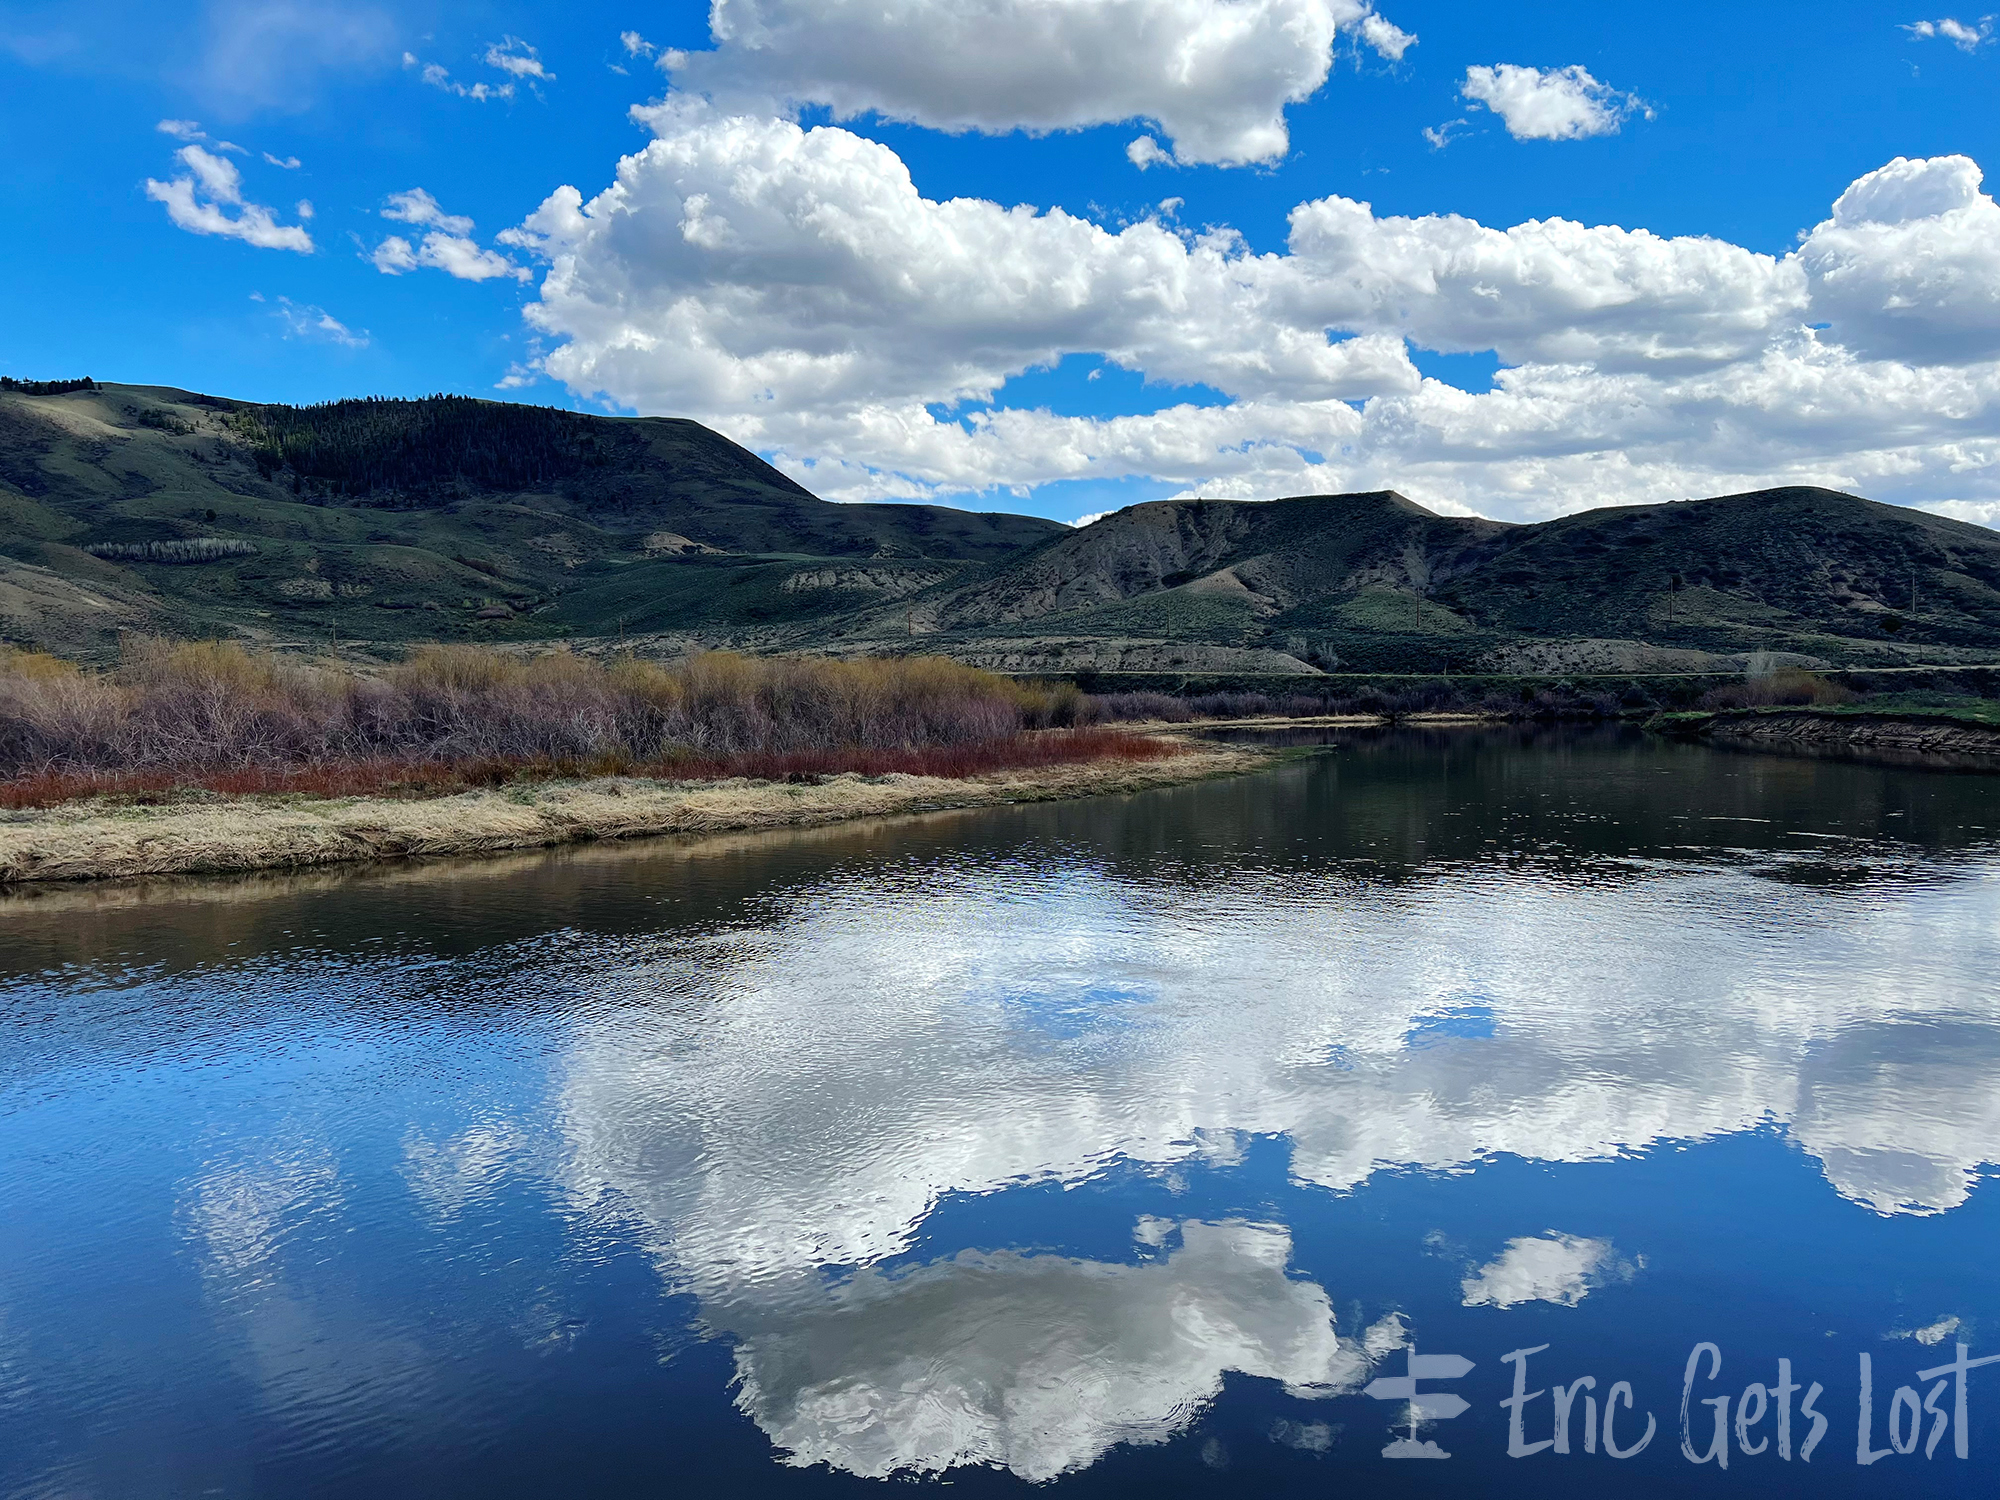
(143, 508)
(128, 507)
(1375, 582)
(1810, 564)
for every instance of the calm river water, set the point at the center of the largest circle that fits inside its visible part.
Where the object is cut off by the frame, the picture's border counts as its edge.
(1133, 1146)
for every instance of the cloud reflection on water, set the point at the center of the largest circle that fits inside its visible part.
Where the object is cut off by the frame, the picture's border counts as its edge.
(1553, 1267)
(800, 1094)
(820, 1080)
(1035, 1363)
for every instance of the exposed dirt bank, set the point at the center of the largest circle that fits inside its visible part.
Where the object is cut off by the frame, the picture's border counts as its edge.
(96, 840)
(1909, 739)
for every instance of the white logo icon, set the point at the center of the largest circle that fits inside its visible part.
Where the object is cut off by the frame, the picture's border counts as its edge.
(1424, 1406)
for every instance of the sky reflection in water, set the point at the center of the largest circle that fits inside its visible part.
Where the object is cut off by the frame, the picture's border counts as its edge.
(1116, 1144)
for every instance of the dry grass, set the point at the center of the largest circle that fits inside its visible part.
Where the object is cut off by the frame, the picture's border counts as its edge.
(210, 716)
(79, 841)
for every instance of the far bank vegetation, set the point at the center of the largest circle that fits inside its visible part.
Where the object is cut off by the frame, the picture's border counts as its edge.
(176, 717)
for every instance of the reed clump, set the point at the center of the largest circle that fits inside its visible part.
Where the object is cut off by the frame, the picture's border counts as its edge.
(211, 715)
(1789, 689)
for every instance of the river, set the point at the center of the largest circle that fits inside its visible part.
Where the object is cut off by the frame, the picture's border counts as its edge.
(1162, 1144)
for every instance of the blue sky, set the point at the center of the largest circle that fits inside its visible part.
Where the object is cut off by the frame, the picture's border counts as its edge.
(880, 346)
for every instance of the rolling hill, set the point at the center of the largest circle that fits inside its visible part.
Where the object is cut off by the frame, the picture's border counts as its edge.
(383, 522)
(142, 507)
(1374, 582)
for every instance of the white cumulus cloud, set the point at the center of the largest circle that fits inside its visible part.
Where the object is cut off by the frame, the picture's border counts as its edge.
(1216, 75)
(512, 55)
(1386, 37)
(418, 207)
(207, 198)
(394, 256)
(465, 260)
(1967, 38)
(804, 267)
(770, 263)
(1978, 512)
(1548, 104)
(1908, 265)
(793, 287)
(447, 246)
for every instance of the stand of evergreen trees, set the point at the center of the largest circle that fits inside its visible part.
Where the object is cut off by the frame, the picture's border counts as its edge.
(199, 549)
(46, 387)
(418, 447)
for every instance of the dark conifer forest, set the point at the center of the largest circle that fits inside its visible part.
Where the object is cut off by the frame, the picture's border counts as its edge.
(418, 447)
(46, 387)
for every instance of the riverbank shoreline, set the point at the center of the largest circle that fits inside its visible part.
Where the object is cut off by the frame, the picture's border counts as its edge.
(1317, 721)
(1940, 739)
(114, 839)
(94, 841)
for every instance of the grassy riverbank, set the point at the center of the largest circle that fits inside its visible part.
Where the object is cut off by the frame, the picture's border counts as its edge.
(209, 833)
(203, 757)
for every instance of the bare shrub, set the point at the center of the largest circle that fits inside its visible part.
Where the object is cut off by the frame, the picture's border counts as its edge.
(1778, 689)
(212, 714)
(1129, 707)
(387, 777)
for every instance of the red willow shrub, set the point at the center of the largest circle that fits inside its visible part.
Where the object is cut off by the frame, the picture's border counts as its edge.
(205, 715)
(393, 778)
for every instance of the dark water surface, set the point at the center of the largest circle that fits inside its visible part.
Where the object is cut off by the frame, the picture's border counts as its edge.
(1114, 1147)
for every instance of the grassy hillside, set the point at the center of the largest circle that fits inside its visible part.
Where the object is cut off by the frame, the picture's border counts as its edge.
(142, 508)
(1374, 582)
(126, 507)
(1809, 564)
